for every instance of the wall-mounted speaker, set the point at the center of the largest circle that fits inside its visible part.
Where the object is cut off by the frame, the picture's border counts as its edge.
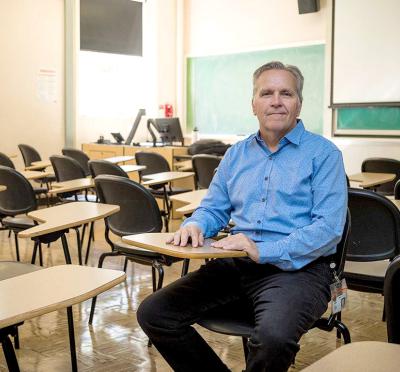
(308, 6)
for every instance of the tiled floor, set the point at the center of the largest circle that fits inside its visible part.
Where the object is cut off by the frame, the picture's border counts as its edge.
(115, 342)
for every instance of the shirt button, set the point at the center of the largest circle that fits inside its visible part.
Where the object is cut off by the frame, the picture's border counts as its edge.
(263, 200)
(265, 178)
(258, 221)
(269, 157)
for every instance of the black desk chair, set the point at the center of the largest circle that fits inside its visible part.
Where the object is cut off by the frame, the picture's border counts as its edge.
(374, 240)
(156, 163)
(238, 320)
(67, 169)
(383, 165)
(100, 167)
(204, 167)
(79, 156)
(139, 213)
(392, 301)
(17, 200)
(30, 154)
(7, 162)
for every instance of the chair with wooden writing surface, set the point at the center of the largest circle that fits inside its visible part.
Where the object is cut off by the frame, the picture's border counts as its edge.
(100, 167)
(67, 169)
(79, 156)
(17, 200)
(383, 165)
(237, 319)
(139, 213)
(373, 242)
(7, 162)
(156, 163)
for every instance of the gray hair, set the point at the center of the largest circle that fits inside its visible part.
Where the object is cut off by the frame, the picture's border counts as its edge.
(276, 65)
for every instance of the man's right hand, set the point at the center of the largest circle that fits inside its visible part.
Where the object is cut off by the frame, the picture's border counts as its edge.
(182, 236)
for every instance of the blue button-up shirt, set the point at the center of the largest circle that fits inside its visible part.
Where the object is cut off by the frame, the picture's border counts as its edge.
(291, 203)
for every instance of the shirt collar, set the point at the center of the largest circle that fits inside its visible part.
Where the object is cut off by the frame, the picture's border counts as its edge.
(294, 136)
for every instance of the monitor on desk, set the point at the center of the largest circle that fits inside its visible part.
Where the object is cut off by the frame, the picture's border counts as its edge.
(118, 137)
(169, 130)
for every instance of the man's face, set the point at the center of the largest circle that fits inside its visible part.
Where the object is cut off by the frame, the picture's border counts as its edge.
(275, 102)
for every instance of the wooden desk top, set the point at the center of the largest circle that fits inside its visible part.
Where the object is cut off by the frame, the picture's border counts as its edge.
(73, 185)
(39, 292)
(120, 159)
(192, 198)
(165, 177)
(132, 168)
(34, 175)
(157, 242)
(65, 216)
(366, 356)
(37, 165)
(367, 179)
(3, 188)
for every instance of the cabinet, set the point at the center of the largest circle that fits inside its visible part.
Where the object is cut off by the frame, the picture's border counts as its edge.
(100, 151)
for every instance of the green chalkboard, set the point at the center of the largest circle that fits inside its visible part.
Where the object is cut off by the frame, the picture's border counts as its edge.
(219, 88)
(368, 118)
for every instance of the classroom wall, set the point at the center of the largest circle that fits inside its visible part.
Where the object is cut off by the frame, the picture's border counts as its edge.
(160, 59)
(31, 39)
(223, 26)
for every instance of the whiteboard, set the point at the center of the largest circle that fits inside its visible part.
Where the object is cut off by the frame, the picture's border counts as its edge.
(366, 57)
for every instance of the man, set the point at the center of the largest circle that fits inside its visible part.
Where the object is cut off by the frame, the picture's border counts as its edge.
(285, 189)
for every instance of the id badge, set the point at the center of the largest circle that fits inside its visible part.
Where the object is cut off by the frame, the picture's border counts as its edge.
(338, 295)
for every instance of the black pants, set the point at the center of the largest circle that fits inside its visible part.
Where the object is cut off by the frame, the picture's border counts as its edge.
(285, 305)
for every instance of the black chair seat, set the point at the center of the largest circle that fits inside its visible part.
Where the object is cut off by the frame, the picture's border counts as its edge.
(237, 321)
(19, 222)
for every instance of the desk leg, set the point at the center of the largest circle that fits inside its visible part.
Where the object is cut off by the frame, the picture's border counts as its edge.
(66, 250)
(71, 332)
(89, 242)
(8, 349)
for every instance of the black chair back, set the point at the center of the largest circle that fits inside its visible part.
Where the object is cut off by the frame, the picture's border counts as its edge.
(6, 161)
(155, 163)
(29, 154)
(79, 156)
(392, 301)
(66, 168)
(204, 166)
(375, 227)
(383, 165)
(139, 211)
(99, 167)
(19, 196)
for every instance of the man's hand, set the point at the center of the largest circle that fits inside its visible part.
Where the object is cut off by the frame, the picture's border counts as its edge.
(239, 242)
(181, 237)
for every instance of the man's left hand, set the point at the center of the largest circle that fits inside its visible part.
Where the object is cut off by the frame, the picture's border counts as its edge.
(238, 242)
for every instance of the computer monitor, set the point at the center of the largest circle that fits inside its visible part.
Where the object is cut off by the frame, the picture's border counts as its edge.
(118, 137)
(169, 129)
